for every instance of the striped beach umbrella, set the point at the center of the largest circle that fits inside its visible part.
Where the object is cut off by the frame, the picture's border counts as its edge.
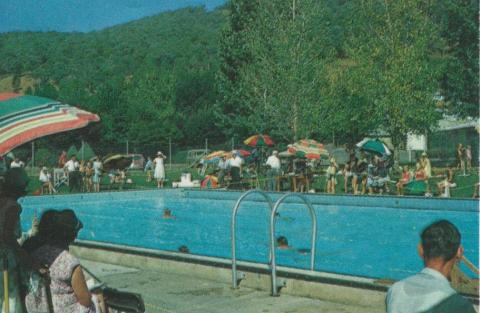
(209, 181)
(308, 148)
(259, 141)
(243, 153)
(25, 118)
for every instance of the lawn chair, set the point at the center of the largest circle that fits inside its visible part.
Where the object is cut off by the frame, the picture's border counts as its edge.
(60, 177)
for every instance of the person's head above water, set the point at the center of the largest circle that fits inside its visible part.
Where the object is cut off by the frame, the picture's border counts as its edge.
(183, 249)
(167, 213)
(282, 242)
(440, 246)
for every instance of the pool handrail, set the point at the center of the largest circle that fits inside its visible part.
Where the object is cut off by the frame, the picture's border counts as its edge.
(233, 230)
(273, 265)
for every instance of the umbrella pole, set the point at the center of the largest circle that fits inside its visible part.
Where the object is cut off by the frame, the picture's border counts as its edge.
(6, 302)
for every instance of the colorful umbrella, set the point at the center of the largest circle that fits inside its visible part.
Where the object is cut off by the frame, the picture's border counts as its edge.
(214, 155)
(375, 146)
(117, 161)
(259, 141)
(209, 181)
(308, 148)
(25, 118)
(416, 187)
(243, 153)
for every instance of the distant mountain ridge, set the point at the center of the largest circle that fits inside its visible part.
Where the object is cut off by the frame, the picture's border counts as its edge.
(160, 69)
(85, 15)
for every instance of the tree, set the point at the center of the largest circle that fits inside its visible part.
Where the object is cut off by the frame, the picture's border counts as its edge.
(231, 112)
(457, 21)
(394, 73)
(278, 85)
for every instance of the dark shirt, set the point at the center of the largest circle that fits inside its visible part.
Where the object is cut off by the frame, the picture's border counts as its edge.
(453, 304)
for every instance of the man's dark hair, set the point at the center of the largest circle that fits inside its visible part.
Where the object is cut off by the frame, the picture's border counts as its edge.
(440, 239)
(15, 183)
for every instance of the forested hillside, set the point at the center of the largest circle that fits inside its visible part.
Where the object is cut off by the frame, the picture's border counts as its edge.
(297, 68)
(148, 80)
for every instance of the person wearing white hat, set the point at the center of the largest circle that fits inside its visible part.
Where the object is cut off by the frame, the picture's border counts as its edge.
(159, 173)
(46, 179)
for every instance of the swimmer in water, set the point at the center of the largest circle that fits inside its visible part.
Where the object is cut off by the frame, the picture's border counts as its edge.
(183, 249)
(282, 243)
(167, 213)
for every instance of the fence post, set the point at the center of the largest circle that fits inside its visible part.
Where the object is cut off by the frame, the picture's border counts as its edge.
(33, 156)
(206, 145)
(127, 146)
(170, 151)
(83, 150)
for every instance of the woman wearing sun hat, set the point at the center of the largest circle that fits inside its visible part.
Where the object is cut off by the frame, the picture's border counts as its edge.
(159, 169)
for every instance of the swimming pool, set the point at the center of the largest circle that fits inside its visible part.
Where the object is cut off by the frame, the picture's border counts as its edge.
(357, 235)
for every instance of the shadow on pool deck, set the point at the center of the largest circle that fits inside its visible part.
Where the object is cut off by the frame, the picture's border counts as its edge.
(177, 293)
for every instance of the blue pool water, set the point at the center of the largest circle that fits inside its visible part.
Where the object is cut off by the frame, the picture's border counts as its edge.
(364, 236)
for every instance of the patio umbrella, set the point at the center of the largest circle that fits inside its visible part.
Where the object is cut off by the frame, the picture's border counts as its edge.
(25, 118)
(375, 146)
(243, 153)
(308, 148)
(209, 181)
(259, 141)
(117, 161)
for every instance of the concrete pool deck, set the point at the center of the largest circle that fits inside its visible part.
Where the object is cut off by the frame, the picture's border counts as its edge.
(181, 293)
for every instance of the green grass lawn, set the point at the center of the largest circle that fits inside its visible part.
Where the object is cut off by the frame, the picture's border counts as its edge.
(464, 189)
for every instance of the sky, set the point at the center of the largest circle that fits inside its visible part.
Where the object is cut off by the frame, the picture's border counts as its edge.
(84, 15)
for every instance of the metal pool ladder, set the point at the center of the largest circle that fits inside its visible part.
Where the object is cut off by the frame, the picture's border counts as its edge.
(235, 277)
(273, 265)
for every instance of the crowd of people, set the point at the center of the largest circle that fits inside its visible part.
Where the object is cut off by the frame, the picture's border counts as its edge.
(362, 173)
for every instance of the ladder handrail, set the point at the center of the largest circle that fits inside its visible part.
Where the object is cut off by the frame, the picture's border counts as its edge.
(273, 216)
(233, 229)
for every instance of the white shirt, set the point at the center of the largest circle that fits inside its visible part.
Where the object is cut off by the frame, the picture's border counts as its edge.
(418, 293)
(71, 165)
(16, 164)
(236, 162)
(97, 166)
(44, 177)
(274, 162)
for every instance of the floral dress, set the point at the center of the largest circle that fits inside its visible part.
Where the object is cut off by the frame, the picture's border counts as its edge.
(61, 271)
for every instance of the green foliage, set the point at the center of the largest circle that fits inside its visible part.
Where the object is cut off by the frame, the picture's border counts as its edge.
(45, 157)
(85, 152)
(291, 68)
(72, 151)
(393, 70)
(145, 79)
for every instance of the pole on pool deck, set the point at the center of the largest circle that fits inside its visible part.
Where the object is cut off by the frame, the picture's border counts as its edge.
(127, 146)
(6, 302)
(83, 150)
(33, 156)
(206, 146)
(170, 151)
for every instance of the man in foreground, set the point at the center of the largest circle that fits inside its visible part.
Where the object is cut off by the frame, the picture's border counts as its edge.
(430, 291)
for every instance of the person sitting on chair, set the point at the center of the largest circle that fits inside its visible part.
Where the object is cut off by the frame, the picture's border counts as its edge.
(430, 291)
(67, 286)
(46, 180)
